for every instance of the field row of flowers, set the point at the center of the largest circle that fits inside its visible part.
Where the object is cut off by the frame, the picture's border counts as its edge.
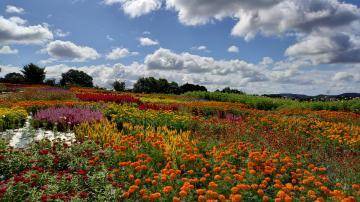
(116, 98)
(65, 118)
(133, 147)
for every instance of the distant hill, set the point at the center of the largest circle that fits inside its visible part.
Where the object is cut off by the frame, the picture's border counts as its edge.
(301, 97)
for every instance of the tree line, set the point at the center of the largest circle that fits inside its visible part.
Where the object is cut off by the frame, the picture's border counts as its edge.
(33, 74)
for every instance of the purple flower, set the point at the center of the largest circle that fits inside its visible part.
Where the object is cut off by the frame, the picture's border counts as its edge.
(65, 117)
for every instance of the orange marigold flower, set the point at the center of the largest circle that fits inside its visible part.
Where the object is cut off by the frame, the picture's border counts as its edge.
(236, 198)
(183, 193)
(137, 182)
(260, 192)
(234, 190)
(221, 197)
(200, 191)
(217, 177)
(167, 189)
(201, 198)
(212, 185)
(176, 199)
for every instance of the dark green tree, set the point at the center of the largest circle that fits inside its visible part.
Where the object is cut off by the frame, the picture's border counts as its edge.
(33, 74)
(119, 86)
(14, 77)
(229, 90)
(75, 77)
(152, 85)
(50, 82)
(192, 87)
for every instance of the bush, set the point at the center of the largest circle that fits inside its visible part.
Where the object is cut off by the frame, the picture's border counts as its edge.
(12, 118)
(65, 118)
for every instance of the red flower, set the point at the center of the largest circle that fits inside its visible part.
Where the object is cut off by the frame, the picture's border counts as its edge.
(82, 172)
(43, 152)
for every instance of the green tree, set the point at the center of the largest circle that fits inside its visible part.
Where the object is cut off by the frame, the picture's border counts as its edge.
(192, 87)
(119, 86)
(229, 90)
(50, 82)
(14, 77)
(75, 77)
(152, 85)
(33, 74)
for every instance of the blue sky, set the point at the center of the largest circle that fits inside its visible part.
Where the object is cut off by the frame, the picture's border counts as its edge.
(314, 48)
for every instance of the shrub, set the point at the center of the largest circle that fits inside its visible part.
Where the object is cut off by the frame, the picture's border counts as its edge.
(64, 118)
(11, 118)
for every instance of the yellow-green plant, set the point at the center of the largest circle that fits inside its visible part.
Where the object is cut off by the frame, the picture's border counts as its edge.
(12, 118)
(130, 114)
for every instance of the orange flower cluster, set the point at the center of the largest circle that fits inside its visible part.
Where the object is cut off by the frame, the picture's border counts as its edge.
(236, 171)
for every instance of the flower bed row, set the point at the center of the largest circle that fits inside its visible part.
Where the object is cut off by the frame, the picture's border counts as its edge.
(65, 118)
(117, 98)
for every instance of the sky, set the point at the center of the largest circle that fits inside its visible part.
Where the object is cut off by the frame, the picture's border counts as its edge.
(258, 46)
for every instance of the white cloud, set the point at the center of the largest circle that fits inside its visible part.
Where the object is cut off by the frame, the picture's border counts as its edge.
(330, 48)
(166, 60)
(346, 77)
(108, 37)
(204, 11)
(266, 77)
(18, 20)
(61, 33)
(13, 31)
(145, 41)
(8, 50)
(233, 49)
(201, 48)
(14, 9)
(118, 53)
(68, 50)
(136, 8)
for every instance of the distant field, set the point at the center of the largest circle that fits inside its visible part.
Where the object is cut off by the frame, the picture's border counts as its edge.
(196, 146)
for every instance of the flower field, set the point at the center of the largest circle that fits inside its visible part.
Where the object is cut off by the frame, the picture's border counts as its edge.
(139, 147)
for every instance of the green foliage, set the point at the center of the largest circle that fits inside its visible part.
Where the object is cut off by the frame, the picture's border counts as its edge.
(14, 77)
(256, 102)
(46, 171)
(265, 103)
(77, 78)
(33, 74)
(152, 85)
(119, 86)
(229, 90)
(192, 87)
(50, 82)
(121, 114)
